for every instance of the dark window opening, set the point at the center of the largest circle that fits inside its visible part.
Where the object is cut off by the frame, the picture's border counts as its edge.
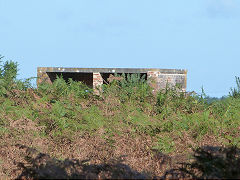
(86, 78)
(105, 76)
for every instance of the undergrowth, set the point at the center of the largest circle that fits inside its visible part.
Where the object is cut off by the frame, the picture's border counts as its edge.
(128, 105)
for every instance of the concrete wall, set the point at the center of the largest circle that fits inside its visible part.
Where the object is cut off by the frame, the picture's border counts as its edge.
(95, 77)
(160, 80)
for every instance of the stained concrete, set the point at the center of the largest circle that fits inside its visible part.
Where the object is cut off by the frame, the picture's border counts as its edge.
(160, 77)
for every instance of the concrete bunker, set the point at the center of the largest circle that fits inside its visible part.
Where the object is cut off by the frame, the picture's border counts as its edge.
(95, 77)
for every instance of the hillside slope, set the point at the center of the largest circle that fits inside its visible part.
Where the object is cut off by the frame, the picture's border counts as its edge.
(63, 130)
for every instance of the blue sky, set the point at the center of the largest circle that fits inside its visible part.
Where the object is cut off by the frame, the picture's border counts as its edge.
(202, 36)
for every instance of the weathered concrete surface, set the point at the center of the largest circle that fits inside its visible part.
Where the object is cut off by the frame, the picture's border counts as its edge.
(158, 78)
(97, 82)
(111, 70)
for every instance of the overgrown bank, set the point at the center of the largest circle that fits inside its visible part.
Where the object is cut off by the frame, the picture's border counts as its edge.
(126, 132)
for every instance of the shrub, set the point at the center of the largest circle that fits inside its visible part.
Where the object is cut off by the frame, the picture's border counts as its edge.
(235, 92)
(8, 73)
(8, 78)
(171, 100)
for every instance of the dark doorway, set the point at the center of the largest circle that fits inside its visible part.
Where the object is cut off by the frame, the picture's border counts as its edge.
(105, 76)
(86, 78)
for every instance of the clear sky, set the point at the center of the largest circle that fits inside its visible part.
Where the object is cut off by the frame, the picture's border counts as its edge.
(202, 36)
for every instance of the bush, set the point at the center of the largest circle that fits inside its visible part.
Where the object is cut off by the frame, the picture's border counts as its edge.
(8, 73)
(235, 92)
(171, 100)
(8, 78)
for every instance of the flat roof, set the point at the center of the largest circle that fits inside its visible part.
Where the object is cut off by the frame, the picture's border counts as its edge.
(111, 70)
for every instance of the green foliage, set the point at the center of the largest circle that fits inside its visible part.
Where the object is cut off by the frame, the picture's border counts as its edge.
(61, 88)
(126, 105)
(9, 72)
(131, 87)
(235, 92)
(142, 124)
(171, 100)
(8, 75)
(165, 144)
(92, 119)
(130, 104)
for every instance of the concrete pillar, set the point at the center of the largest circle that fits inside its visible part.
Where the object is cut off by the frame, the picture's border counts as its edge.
(152, 77)
(97, 82)
(42, 76)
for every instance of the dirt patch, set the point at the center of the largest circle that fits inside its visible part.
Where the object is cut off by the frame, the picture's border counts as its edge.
(41, 165)
(25, 124)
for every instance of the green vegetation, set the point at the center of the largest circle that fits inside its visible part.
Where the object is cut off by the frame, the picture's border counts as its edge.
(172, 119)
(63, 108)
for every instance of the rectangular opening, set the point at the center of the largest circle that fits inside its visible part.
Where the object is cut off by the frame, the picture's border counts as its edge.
(86, 78)
(105, 76)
